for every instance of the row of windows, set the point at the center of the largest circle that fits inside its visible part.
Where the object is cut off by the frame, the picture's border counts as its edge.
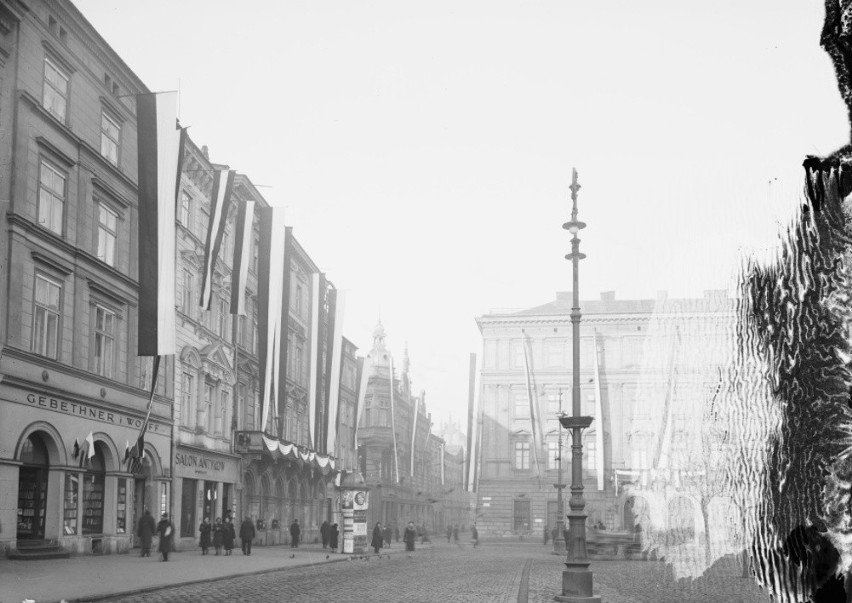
(212, 413)
(523, 451)
(47, 303)
(55, 98)
(503, 354)
(52, 197)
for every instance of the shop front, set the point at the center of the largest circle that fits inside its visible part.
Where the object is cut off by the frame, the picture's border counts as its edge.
(206, 485)
(84, 497)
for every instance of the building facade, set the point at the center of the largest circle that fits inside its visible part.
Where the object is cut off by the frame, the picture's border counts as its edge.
(639, 380)
(68, 250)
(400, 458)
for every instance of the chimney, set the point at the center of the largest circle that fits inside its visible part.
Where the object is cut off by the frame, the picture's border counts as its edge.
(607, 295)
(205, 152)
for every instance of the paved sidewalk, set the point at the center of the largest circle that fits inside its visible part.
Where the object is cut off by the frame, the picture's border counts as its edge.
(87, 577)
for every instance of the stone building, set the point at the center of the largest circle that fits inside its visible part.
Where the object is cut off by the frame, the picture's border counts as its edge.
(400, 458)
(636, 359)
(69, 270)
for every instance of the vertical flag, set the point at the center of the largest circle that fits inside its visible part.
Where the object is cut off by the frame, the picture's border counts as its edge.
(270, 302)
(599, 428)
(336, 359)
(472, 415)
(283, 346)
(160, 151)
(315, 357)
(393, 424)
(244, 234)
(534, 424)
(137, 452)
(366, 367)
(220, 204)
(414, 431)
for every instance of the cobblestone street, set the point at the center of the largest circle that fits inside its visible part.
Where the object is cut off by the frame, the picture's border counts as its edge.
(503, 573)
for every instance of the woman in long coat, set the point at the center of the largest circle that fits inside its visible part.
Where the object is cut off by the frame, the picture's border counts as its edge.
(204, 529)
(167, 536)
(333, 533)
(378, 537)
(228, 535)
(218, 535)
(409, 537)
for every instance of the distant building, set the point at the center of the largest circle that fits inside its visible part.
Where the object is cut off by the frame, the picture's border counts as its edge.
(400, 458)
(639, 380)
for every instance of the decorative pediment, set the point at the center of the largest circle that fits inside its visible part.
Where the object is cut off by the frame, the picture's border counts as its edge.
(189, 355)
(217, 363)
(192, 259)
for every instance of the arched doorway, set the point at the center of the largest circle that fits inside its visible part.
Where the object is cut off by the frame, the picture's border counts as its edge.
(32, 488)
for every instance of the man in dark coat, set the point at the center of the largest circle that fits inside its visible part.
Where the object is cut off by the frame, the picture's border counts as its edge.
(324, 530)
(166, 531)
(409, 537)
(204, 540)
(378, 537)
(246, 535)
(228, 535)
(388, 534)
(145, 529)
(218, 535)
(333, 533)
(295, 532)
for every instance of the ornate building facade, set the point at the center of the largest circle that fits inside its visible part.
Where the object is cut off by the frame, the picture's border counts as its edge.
(641, 382)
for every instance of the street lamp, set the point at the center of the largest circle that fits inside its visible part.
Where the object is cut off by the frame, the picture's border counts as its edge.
(559, 539)
(577, 578)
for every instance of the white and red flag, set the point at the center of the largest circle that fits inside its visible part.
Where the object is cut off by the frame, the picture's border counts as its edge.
(220, 204)
(160, 146)
(243, 235)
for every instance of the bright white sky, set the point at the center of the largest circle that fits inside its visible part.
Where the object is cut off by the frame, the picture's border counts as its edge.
(424, 149)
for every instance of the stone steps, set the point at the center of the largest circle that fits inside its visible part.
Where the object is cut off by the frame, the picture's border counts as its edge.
(35, 550)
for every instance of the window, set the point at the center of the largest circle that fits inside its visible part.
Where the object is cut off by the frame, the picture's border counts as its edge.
(300, 363)
(48, 294)
(297, 302)
(110, 133)
(121, 507)
(521, 406)
(590, 452)
(107, 228)
(185, 210)
(223, 318)
(555, 353)
(55, 98)
(104, 341)
(522, 455)
(552, 455)
(72, 493)
(222, 414)
(51, 197)
(188, 292)
(204, 420)
(553, 405)
(187, 396)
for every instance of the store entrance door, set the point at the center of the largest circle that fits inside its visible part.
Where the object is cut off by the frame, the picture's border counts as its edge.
(32, 495)
(138, 508)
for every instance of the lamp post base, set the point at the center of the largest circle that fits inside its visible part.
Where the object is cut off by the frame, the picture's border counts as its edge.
(577, 587)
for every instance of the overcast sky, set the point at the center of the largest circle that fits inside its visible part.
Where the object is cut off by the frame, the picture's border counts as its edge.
(424, 149)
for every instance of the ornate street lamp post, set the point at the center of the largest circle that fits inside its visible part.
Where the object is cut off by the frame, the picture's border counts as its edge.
(559, 539)
(577, 578)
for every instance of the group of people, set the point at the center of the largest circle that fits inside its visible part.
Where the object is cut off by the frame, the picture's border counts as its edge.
(223, 535)
(145, 530)
(329, 534)
(382, 537)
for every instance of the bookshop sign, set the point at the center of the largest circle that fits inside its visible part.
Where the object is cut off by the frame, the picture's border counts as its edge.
(89, 411)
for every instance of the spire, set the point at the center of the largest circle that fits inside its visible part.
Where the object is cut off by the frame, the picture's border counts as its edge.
(379, 337)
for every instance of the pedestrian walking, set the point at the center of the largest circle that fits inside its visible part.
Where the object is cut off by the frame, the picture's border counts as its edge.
(218, 536)
(456, 533)
(546, 534)
(475, 534)
(449, 533)
(145, 530)
(167, 535)
(387, 534)
(324, 529)
(204, 540)
(378, 537)
(228, 536)
(333, 533)
(295, 532)
(409, 537)
(246, 535)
